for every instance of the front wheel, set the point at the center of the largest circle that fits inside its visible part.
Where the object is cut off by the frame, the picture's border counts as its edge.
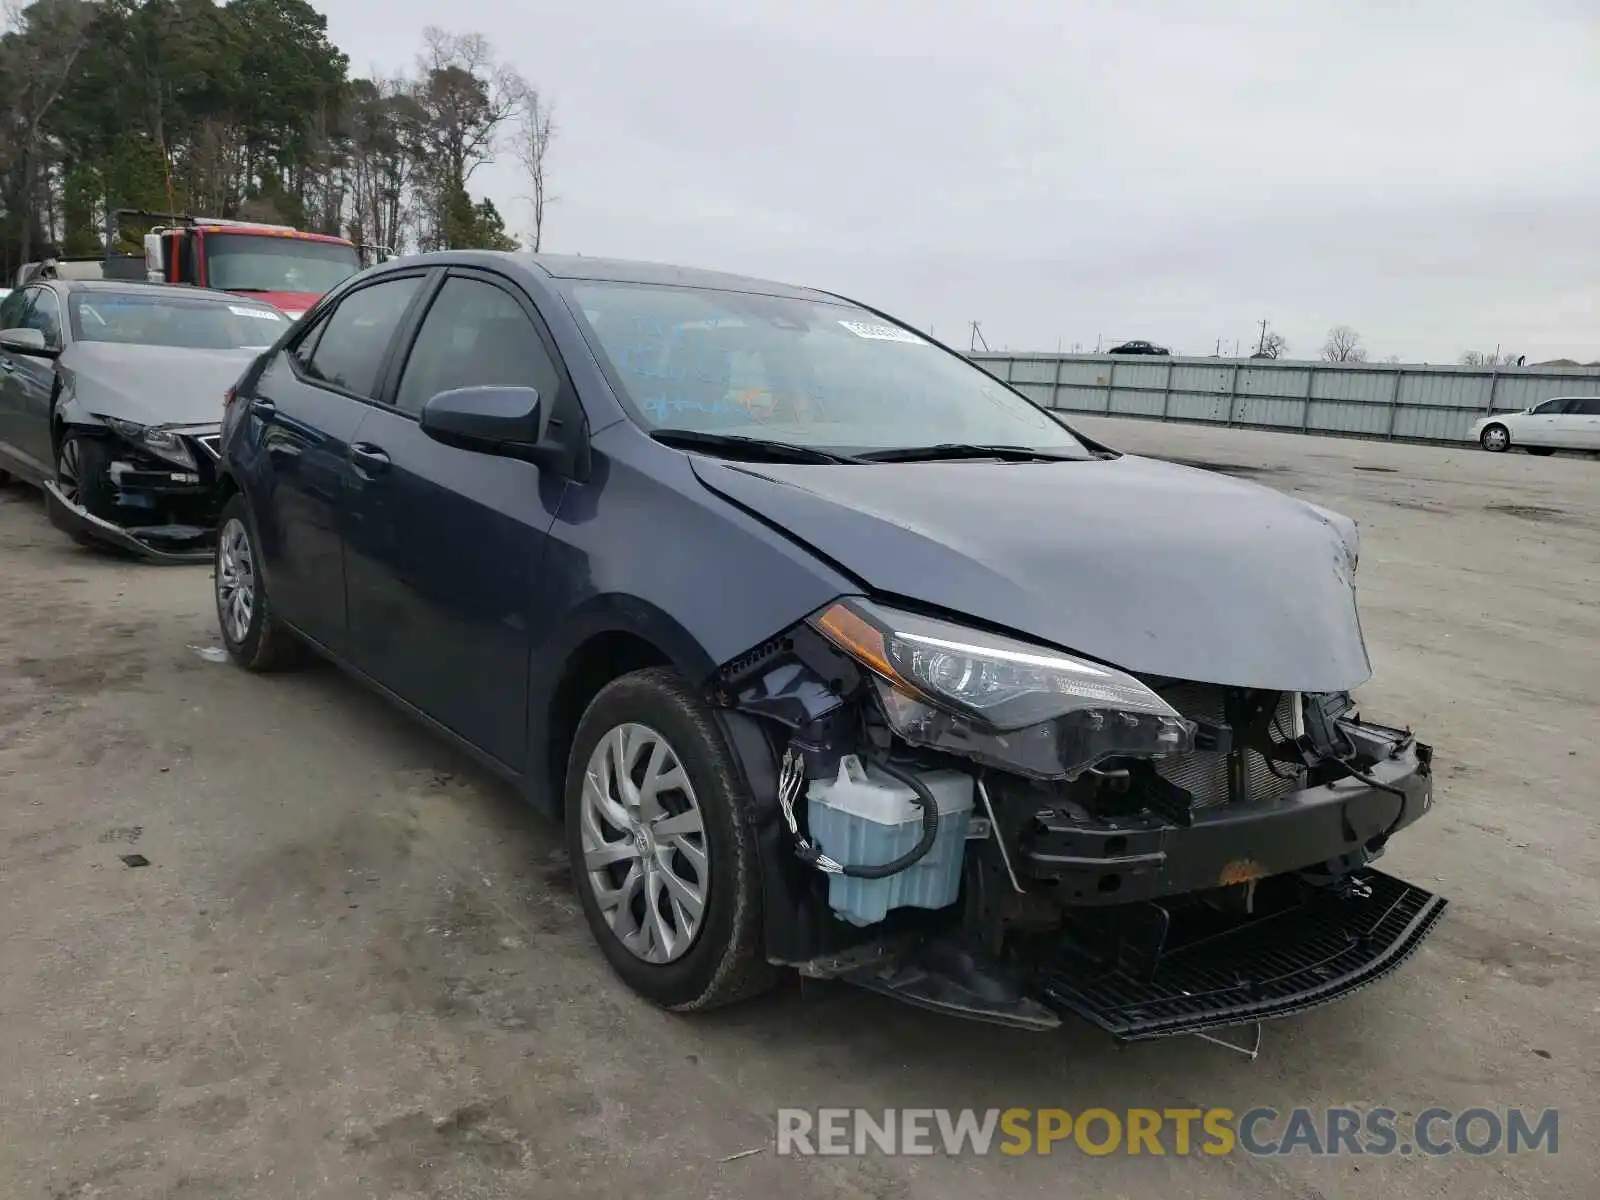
(256, 640)
(1495, 438)
(82, 462)
(662, 851)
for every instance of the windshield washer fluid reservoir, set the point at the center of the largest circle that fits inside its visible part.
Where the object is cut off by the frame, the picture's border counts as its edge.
(866, 817)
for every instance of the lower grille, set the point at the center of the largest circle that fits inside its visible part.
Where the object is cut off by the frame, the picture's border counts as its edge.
(1253, 968)
(1204, 774)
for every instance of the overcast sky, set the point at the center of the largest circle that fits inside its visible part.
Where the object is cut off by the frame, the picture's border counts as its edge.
(1427, 171)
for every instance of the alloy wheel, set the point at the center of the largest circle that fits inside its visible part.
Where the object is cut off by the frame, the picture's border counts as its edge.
(236, 580)
(69, 469)
(644, 844)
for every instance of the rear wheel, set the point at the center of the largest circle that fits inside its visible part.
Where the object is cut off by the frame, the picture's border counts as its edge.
(662, 851)
(256, 640)
(1495, 438)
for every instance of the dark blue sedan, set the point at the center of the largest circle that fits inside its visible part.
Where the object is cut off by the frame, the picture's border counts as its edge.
(833, 651)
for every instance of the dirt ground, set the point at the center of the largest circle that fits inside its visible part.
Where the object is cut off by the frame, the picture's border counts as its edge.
(354, 968)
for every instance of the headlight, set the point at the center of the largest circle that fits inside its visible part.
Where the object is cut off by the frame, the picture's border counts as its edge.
(157, 439)
(1013, 705)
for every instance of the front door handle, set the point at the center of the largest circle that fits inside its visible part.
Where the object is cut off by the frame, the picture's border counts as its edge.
(369, 460)
(263, 407)
(7, 365)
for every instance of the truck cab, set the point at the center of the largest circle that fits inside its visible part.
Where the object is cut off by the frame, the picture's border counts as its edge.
(276, 263)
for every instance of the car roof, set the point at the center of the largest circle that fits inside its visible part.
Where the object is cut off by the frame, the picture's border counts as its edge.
(617, 270)
(129, 287)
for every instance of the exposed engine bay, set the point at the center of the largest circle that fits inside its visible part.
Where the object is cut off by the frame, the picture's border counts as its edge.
(995, 829)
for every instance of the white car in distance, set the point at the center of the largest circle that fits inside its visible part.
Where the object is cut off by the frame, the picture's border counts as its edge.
(1561, 423)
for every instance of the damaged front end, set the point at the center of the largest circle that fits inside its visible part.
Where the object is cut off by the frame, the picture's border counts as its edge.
(1000, 830)
(152, 492)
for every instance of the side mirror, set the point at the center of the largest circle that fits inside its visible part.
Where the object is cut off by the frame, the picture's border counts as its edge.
(26, 341)
(490, 419)
(505, 421)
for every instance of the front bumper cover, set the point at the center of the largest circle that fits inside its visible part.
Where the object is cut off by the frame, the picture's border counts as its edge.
(166, 544)
(149, 487)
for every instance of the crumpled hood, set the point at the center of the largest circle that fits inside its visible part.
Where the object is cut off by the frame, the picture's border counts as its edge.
(153, 385)
(1153, 567)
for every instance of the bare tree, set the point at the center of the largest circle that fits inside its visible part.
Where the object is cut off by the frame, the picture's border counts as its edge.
(1393, 358)
(465, 96)
(385, 130)
(1486, 358)
(537, 131)
(1270, 344)
(1343, 345)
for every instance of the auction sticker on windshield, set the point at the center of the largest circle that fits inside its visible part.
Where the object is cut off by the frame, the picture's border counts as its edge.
(882, 333)
(260, 314)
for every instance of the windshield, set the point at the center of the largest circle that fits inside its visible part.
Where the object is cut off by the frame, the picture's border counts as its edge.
(169, 318)
(806, 372)
(238, 262)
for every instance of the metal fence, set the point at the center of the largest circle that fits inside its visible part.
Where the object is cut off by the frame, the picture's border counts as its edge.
(1404, 401)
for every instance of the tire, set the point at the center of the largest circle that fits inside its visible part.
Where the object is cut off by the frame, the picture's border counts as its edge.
(1495, 438)
(255, 639)
(720, 959)
(81, 462)
(1541, 451)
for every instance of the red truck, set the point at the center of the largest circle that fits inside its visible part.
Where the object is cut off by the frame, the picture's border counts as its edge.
(276, 263)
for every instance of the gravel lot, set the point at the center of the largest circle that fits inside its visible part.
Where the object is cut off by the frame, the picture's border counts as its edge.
(354, 968)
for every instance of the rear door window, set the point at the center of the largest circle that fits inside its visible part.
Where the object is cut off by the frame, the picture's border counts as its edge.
(353, 340)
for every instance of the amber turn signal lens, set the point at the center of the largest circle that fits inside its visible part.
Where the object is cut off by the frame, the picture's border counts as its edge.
(859, 638)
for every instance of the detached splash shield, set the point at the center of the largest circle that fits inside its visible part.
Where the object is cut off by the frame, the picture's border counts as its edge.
(1153, 970)
(165, 544)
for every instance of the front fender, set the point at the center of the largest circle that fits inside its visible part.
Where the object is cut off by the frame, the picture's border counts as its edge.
(68, 412)
(594, 618)
(643, 548)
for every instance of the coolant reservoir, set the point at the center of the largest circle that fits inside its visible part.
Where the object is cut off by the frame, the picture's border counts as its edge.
(867, 817)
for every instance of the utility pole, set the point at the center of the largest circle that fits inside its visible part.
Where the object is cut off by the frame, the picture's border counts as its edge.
(1261, 346)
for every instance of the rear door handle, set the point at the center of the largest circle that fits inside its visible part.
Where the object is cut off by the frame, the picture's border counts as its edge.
(369, 460)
